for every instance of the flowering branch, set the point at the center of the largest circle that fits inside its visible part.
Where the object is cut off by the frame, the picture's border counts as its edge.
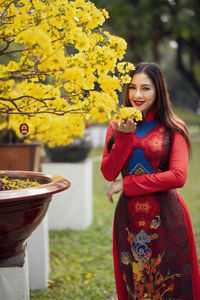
(63, 64)
(53, 112)
(26, 96)
(3, 52)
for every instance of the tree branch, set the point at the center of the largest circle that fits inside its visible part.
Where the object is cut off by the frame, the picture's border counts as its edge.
(33, 74)
(32, 114)
(2, 15)
(26, 96)
(2, 52)
(7, 45)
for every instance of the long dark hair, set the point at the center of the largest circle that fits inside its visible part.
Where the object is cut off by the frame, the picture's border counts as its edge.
(162, 105)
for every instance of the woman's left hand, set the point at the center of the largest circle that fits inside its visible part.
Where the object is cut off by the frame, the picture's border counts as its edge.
(125, 126)
(115, 187)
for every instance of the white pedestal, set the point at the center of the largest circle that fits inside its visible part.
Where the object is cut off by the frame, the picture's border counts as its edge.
(14, 283)
(98, 135)
(72, 208)
(38, 256)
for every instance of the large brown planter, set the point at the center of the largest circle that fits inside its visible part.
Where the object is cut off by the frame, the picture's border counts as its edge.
(20, 156)
(22, 210)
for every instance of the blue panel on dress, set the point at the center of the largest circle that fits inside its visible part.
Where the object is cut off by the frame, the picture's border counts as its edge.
(144, 127)
(138, 164)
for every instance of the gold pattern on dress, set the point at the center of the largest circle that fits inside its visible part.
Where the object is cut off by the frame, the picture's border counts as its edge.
(155, 223)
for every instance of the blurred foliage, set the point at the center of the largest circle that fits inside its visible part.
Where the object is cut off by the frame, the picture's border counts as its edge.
(187, 115)
(163, 31)
(139, 23)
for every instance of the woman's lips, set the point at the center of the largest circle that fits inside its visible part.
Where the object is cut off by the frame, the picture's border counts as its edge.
(138, 103)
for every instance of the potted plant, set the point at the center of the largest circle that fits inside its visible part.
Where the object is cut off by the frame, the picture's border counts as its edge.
(17, 155)
(76, 151)
(24, 200)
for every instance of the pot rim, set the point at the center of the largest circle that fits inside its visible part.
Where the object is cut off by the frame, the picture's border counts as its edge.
(21, 144)
(54, 185)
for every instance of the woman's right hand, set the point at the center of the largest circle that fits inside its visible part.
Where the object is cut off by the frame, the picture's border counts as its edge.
(126, 126)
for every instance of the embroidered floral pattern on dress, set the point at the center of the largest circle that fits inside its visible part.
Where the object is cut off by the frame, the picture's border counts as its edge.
(149, 283)
(139, 170)
(155, 223)
(139, 246)
(142, 206)
(151, 144)
(125, 258)
(154, 284)
(143, 210)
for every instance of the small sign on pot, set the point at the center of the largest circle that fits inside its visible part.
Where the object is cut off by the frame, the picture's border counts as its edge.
(24, 129)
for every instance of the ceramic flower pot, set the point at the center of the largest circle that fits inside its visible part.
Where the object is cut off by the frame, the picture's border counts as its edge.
(22, 210)
(74, 152)
(20, 156)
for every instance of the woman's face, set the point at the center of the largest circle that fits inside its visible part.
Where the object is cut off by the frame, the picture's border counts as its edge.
(142, 92)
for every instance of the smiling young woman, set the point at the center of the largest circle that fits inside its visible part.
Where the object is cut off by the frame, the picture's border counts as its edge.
(142, 93)
(153, 243)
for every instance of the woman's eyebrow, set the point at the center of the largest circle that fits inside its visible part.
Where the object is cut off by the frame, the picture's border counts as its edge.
(144, 84)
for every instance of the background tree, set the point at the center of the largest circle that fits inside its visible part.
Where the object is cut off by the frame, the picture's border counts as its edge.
(184, 20)
(57, 67)
(166, 32)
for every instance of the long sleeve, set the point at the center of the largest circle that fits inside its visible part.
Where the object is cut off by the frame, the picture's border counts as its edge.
(175, 177)
(113, 162)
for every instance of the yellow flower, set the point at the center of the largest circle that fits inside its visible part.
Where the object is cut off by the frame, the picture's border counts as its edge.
(125, 113)
(64, 55)
(108, 83)
(126, 79)
(121, 67)
(88, 275)
(73, 74)
(105, 13)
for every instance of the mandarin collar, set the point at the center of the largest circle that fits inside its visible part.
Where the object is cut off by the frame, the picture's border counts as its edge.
(150, 115)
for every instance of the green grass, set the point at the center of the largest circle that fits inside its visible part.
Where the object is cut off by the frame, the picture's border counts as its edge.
(188, 116)
(81, 261)
(81, 266)
(191, 191)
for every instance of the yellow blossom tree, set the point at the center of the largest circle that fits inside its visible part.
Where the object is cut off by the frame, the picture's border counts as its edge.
(66, 68)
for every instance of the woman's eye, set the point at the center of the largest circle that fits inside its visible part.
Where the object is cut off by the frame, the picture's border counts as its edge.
(131, 88)
(146, 89)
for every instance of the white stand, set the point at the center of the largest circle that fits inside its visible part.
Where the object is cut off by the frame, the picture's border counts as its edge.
(38, 256)
(72, 208)
(14, 283)
(97, 134)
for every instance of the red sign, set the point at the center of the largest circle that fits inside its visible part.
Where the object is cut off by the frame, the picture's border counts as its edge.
(23, 128)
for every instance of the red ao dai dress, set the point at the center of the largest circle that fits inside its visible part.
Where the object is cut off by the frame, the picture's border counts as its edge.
(153, 243)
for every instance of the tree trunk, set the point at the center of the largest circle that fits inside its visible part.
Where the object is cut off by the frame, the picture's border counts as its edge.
(188, 74)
